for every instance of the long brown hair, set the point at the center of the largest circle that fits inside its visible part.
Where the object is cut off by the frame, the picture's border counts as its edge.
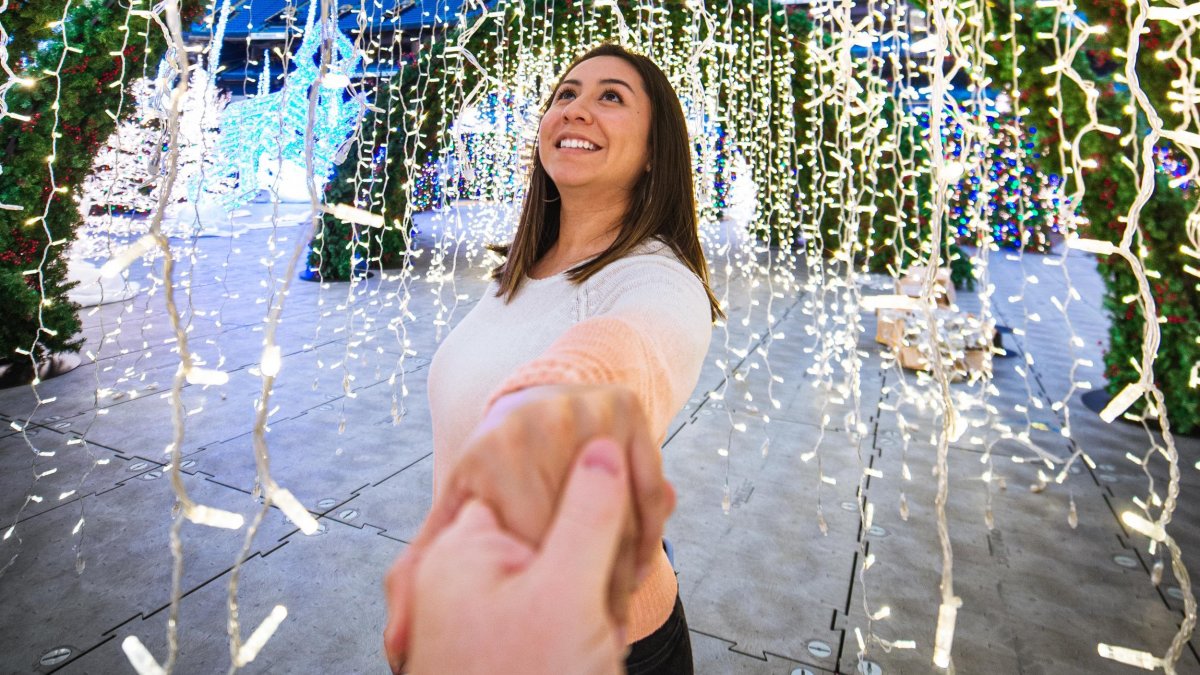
(663, 202)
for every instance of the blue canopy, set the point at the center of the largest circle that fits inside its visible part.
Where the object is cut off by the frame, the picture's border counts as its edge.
(267, 18)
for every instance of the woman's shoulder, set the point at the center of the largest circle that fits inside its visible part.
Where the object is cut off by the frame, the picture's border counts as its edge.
(652, 271)
(650, 255)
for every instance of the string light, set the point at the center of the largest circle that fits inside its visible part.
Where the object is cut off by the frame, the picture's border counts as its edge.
(816, 162)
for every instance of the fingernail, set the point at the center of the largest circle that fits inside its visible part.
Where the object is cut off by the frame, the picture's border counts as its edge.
(602, 455)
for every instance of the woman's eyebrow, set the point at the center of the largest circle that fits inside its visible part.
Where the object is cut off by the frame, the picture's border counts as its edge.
(610, 80)
(613, 80)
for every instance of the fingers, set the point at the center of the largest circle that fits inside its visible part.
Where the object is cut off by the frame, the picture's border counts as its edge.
(582, 543)
(519, 468)
(653, 497)
(474, 542)
(464, 570)
(624, 579)
(400, 582)
(398, 586)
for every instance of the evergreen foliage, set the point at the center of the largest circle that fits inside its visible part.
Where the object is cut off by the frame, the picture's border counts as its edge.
(375, 174)
(36, 318)
(1110, 191)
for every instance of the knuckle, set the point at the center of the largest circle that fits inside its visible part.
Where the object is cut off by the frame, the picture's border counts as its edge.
(511, 433)
(626, 398)
(557, 418)
(653, 495)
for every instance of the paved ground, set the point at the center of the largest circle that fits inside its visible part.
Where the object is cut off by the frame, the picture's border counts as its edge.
(768, 536)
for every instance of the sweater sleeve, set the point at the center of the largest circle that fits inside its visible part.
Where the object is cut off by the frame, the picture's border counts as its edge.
(646, 325)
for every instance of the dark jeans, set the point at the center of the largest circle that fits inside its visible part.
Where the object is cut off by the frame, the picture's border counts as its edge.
(666, 651)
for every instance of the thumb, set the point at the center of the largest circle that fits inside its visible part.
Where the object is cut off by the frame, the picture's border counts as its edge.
(593, 513)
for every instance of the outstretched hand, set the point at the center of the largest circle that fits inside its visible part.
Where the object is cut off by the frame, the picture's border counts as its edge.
(488, 602)
(517, 463)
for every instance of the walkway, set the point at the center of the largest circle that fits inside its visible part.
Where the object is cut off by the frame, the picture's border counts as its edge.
(770, 586)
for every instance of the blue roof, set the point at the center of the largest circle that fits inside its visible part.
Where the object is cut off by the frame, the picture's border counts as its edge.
(430, 12)
(248, 17)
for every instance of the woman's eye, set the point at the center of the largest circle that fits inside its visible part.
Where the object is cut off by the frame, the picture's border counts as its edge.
(565, 95)
(611, 95)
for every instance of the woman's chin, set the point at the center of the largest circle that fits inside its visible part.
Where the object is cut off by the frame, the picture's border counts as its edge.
(575, 183)
(588, 183)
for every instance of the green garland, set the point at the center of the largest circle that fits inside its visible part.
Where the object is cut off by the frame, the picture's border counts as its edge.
(69, 118)
(1110, 191)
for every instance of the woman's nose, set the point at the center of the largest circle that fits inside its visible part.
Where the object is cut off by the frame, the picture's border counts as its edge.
(577, 110)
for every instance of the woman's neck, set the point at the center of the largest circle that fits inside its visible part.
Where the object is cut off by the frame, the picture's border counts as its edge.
(584, 231)
(586, 228)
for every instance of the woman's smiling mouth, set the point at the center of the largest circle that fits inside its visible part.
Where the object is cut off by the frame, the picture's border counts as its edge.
(577, 144)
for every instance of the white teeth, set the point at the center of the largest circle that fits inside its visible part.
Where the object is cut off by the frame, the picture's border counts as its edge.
(576, 143)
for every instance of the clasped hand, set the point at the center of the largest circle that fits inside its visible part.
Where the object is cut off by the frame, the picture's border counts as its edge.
(511, 478)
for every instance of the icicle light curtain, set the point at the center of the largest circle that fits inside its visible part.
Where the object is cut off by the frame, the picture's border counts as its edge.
(853, 123)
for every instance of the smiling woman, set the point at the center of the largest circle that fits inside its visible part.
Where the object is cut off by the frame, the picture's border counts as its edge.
(596, 325)
(622, 104)
(594, 136)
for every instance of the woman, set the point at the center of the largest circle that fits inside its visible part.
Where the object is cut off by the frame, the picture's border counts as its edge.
(597, 323)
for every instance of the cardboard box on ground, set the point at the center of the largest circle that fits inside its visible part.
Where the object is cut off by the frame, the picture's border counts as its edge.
(914, 280)
(964, 340)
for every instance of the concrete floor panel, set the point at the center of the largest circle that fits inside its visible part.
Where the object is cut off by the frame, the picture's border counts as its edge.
(1021, 553)
(396, 506)
(767, 535)
(117, 567)
(720, 656)
(144, 425)
(340, 572)
(96, 385)
(45, 470)
(310, 458)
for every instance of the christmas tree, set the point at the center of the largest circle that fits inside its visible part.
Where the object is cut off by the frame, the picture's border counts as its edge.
(54, 128)
(125, 170)
(1017, 204)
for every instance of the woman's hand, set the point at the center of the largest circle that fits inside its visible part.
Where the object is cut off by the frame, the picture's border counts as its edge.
(517, 461)
(486, 602)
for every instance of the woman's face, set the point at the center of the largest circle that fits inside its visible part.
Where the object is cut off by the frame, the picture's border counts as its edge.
(596, 133)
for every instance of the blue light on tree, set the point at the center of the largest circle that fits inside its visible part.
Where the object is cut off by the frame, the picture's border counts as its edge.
(1017, 203)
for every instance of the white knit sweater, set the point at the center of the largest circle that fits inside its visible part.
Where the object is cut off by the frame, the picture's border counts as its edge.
(643, 322)
(651, 290)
